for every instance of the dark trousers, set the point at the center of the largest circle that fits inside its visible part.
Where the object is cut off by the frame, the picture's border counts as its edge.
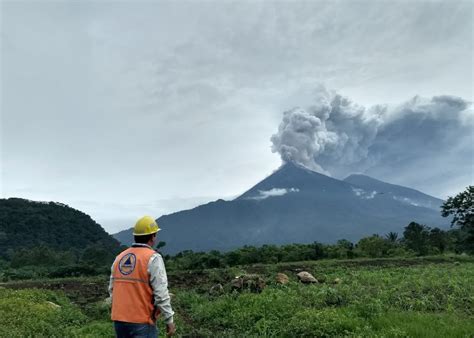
(133, 330)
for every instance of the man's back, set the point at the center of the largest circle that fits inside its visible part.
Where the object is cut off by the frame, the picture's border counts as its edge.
(132, 299)
(139, 286)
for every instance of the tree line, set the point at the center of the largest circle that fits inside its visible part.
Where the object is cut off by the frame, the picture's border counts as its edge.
(416, 240)
(96, 258)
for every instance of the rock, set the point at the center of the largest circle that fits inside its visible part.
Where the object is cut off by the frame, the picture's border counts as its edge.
(171, 295)
(306, 277)
(237, 283)
(216, 289)
(108, 301)
(53, 305)
(281, 278)
(253, 283)
(337, 281)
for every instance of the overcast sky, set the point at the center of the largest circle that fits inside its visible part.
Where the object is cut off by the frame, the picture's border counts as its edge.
(125, 108)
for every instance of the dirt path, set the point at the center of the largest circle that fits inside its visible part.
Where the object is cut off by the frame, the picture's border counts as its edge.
(79, 291)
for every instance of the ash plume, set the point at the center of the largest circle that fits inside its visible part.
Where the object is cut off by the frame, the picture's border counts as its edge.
(421, 137)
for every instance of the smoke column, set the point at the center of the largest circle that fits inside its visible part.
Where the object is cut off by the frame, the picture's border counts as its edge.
(417, 141)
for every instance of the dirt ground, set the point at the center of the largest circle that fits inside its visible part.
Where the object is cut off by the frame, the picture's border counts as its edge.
(79, 291)
(83, 290)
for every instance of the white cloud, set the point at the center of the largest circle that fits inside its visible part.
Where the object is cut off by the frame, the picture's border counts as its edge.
(263, 194)
(364, 194)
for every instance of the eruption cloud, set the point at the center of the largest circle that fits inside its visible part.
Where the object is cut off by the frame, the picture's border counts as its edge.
(413, 142)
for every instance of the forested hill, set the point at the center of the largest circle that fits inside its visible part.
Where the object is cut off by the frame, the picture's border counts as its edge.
(27, 224)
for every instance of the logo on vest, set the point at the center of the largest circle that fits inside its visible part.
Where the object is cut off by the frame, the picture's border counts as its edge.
(127, 264)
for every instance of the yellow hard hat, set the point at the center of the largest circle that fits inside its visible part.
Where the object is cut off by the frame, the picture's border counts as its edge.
(145, 226)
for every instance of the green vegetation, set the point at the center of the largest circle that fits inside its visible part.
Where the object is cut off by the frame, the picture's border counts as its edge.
(47, 239)
(64, 242)
(461, 207)
(381, 286)
(28, 224)
(412, 297)
(417, 240)
(39, 312)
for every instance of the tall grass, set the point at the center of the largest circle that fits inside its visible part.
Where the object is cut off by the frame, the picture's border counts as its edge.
(430, 300)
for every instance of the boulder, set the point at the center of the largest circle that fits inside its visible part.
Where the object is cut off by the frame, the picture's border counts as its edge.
(237, 283)
(253, 283)
(337, 281)
(306, 277)
(281, 278)
(53, 305)
(216, 289)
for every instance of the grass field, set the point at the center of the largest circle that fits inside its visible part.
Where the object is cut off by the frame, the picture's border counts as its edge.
(429, 297)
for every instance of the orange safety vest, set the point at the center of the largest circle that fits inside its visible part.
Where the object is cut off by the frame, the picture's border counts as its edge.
(132, 295)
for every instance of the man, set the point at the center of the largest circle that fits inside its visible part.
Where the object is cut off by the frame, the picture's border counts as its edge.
(139, 286)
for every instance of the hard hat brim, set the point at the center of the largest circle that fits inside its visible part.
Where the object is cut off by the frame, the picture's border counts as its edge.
(147, 233)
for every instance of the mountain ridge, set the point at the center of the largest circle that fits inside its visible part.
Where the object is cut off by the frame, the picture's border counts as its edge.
(395, 190)
(293, 204)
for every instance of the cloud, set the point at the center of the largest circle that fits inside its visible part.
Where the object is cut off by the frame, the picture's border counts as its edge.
(364, 194)
(331, 130)
(406, 200)
(180, 98)
(263, 194)
(420, 141)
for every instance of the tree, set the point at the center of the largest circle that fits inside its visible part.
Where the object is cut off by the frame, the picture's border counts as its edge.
(41, 256)
(97, 255)
(392, 237)
(233, 258)
(439, 239)
(461, 207)
(416, 238)
(345, 248)
(161, 244)
(318, 250)
(373, 246)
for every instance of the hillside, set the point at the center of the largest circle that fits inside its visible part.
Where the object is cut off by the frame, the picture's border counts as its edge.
(26, 224)
(397, 192)
(293, 205)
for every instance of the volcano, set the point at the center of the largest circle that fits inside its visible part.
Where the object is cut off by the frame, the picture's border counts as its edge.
(297, 205)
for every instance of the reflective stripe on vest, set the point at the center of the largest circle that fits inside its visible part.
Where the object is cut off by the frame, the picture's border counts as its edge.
(132, 295)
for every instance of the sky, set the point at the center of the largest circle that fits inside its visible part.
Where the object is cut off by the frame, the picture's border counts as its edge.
(121, 109)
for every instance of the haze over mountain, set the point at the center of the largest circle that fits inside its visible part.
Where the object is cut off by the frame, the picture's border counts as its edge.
(299, 205)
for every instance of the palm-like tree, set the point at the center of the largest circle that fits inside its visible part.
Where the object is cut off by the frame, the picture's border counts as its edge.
(392, 236)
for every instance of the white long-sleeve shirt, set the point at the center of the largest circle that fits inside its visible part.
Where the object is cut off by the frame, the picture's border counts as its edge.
(158, 282)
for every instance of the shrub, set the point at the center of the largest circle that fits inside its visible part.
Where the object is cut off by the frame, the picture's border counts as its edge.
(23, 312)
